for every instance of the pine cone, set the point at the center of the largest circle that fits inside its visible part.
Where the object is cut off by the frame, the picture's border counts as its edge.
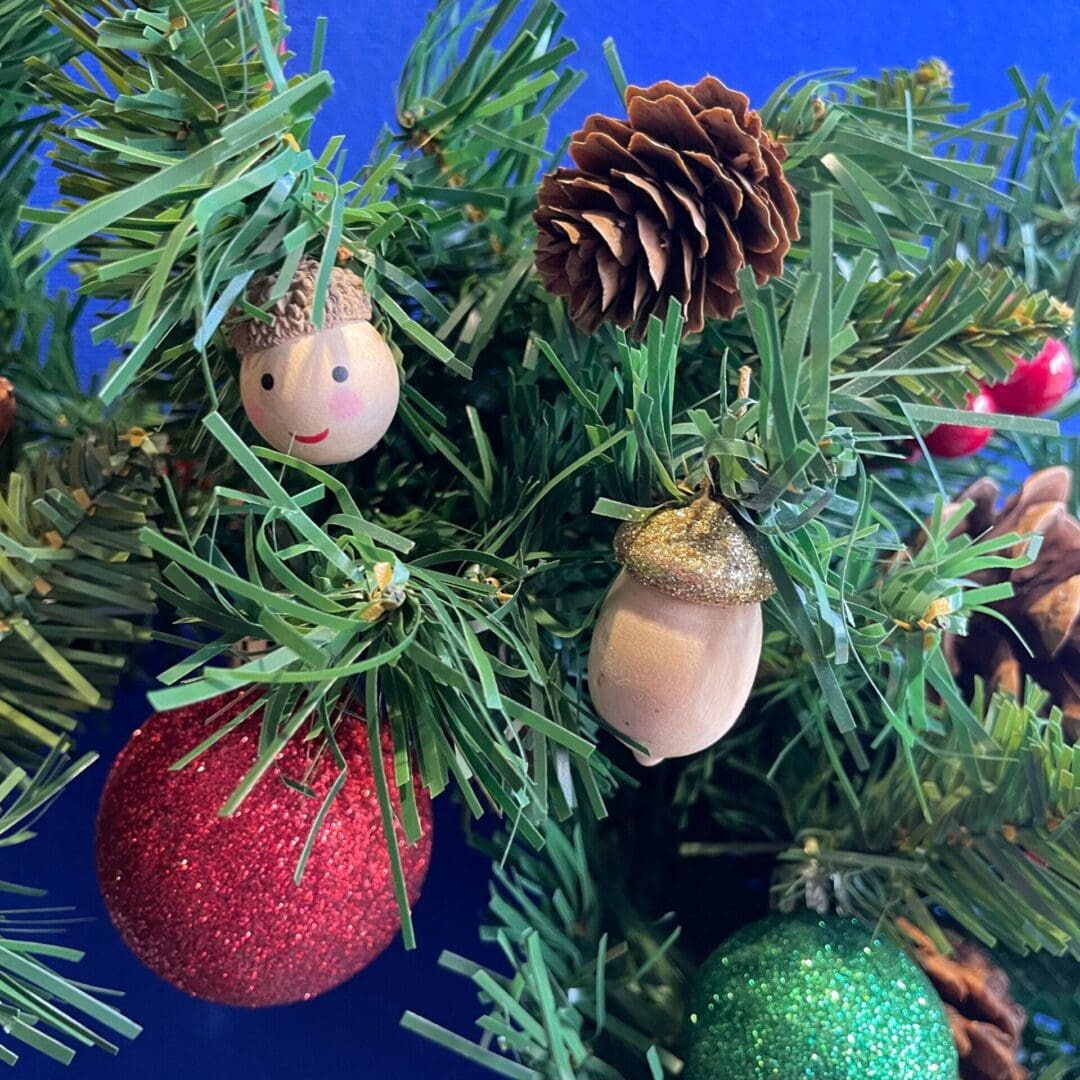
(1045, 607)
(668, 203)
(7, 407)
(986, 1023)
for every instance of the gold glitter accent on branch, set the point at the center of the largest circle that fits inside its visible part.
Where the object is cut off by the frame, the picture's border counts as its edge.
(695, 553)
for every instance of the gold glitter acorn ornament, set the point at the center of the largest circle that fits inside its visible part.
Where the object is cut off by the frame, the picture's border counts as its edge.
(678, 640)
(324, 394)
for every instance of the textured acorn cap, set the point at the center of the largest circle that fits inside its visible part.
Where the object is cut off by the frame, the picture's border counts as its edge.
(696, 553)
(346, 302)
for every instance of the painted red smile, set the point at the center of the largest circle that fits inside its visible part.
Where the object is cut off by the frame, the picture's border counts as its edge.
(309, 439)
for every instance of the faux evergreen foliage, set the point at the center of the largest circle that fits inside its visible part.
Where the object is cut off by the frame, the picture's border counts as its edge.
(452, 576)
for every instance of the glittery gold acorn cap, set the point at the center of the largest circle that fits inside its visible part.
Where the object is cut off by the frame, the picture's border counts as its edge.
(346, 302)
(695, 553)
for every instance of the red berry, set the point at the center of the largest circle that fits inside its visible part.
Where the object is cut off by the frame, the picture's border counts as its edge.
(959, 440)
(1036, 386)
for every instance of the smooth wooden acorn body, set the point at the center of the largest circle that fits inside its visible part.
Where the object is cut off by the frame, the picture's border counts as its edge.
(325, 397)
(671, 674)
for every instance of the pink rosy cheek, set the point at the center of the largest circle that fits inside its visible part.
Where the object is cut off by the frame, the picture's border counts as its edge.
(344, 405)
(256, 412)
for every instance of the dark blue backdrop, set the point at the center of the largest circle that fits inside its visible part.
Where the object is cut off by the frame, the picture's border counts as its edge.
(353, 1031)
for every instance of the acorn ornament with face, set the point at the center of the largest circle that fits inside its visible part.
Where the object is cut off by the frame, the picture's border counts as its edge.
(323, 394)
(677, 643)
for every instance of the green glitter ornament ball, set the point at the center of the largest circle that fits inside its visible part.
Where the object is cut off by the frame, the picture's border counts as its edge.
(805, 998)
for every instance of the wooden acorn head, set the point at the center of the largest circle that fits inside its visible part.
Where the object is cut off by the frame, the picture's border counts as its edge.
(324, 394)
(678, 639)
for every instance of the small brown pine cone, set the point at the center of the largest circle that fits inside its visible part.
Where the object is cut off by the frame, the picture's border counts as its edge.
(987, 1025)
(7, 407)
(1045, 606)
(670, 202)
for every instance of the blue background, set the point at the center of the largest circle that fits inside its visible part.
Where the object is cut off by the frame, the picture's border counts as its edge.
(753, 46)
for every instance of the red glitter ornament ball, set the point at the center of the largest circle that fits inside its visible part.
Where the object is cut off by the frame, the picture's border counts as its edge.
(209, 903)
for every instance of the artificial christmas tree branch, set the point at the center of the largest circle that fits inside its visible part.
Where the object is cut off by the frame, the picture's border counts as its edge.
(1046, 988)
(593, 987)
(992, 810)
(37, 1002)
(449, 657)
(452, 577)
(896, 165)
(74, 598)
(250, 189)
(76, 583)
(1038, 237)
(75, 603)
(36, 328)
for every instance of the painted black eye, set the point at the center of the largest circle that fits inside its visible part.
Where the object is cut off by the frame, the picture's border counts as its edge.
(339, 374)
(267, 381)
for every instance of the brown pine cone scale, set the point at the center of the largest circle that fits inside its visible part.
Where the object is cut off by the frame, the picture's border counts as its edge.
(7, 407)
(987, 1025)
(1045, 606)
(671, 202)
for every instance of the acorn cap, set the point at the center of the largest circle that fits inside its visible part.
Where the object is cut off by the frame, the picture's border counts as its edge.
(696, 553)
(346, 302)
